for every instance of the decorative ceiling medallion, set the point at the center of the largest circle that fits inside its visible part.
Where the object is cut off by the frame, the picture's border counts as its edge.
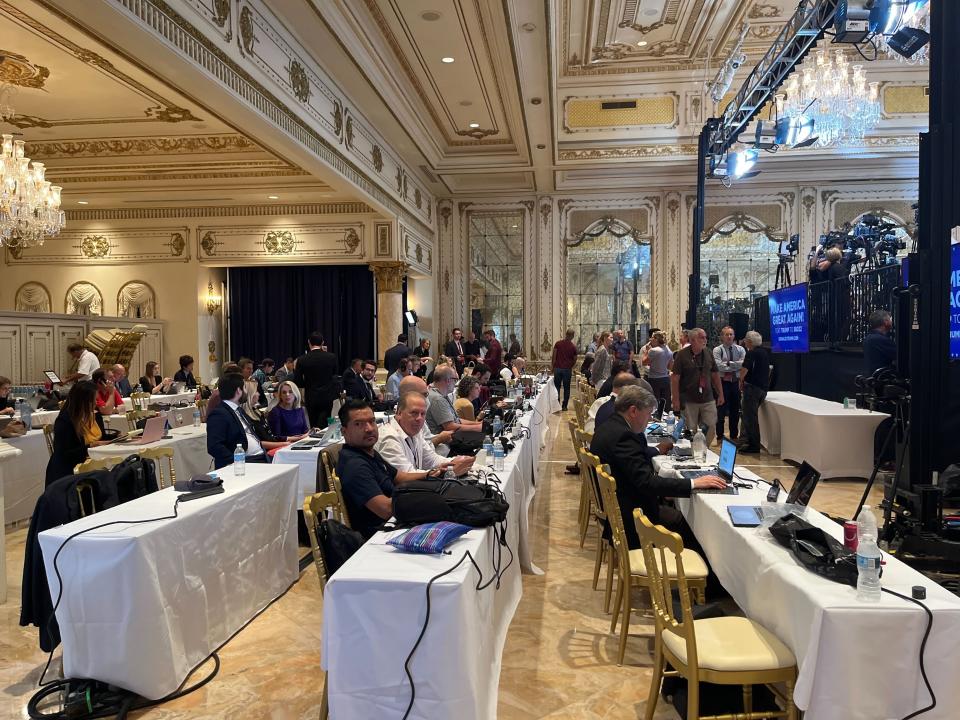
(477, 133)
(377, 155)
(299, 82)
(94, 246)
(247, 38)
(17, 70)
(280, 242)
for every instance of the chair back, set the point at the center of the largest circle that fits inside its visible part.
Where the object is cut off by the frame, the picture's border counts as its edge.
(48, 438)
(657, 544)
(336, 487)
(86, 489)
(315, 508)
(328, 461)
(164, 479)
(82, 488)
(97, 464)
(202, 406)
(608, 491)
(139, 400)
(590, 464)
(579, 411)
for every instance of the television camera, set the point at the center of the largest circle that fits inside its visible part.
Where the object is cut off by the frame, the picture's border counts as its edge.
(868, 245)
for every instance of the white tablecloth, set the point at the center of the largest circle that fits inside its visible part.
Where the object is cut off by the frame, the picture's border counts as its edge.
(7, 454)
(380, 595)
(185, 397)
(857, 661)
(25, 475)
(836, 441)
(43, 417)
(189, 450)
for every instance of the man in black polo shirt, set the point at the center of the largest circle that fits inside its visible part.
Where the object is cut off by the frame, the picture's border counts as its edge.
(754, 383)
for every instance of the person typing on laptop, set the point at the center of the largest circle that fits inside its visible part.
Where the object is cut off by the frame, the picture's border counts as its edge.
(620, 443)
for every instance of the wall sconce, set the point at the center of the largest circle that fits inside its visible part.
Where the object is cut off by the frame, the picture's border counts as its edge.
(214, 301)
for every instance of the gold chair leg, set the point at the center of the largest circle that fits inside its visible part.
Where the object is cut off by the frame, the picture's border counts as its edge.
(617, 601)
(693, 695)
(625, 622)
(609, 590)
(656, 678)
(748, 698)
(584, 512)
(790, 707)
(598, 562)
(324, 703)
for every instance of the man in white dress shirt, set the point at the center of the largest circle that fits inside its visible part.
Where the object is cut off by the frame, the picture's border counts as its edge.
(403, 444)
(729, 358)
(87, 362)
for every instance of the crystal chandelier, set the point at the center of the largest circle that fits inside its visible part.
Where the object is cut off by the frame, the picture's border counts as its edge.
(29, 205)
(835, 95)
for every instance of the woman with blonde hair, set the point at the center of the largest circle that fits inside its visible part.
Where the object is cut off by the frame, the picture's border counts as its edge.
(251, 411)
(287, 419)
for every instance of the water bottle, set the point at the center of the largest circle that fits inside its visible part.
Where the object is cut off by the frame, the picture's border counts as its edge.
(868, 557)
(488, 447)
(196, 418)
(331, 426)
(239, 461)
(498, 457)
(337, 430)
(26, 414)
(699, 447)
(497, 425)
(671, 423)
(449, 475)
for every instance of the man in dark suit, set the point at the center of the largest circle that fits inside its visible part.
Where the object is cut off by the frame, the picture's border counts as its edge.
(879, 349)
(356, 384)
(351, 375)
(316, 375)
(455, 350)
(228, 427)
(393, 356)
(620, 442)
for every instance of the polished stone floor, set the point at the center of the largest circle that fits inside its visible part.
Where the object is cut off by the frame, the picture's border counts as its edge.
(559, 660)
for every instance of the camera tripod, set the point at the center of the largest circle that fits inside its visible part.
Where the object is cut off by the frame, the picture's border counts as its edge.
(783, 278)
(900, 427)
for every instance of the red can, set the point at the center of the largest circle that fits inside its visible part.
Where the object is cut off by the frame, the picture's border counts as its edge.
(850, 535)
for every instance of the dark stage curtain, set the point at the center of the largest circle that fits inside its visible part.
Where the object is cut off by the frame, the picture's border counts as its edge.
(274, 309)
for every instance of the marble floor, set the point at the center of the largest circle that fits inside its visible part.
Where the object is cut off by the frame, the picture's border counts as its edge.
(559, 661)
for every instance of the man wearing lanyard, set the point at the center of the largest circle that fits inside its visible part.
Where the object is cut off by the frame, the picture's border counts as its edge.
(695, 382)
(403, 444)
(729, 358)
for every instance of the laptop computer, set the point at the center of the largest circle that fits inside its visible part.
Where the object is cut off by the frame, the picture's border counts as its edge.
(152, 431)
(180, 417)
(803, 485)
(724, 468)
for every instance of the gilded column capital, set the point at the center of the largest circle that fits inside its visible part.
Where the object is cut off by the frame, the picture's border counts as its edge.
(389, 275)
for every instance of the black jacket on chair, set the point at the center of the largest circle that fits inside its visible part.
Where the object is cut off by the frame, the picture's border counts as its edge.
(224, 433)
(69, 449)
(638, 484)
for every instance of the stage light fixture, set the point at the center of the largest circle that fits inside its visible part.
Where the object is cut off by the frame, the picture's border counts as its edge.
(792, 132)
(741, 162)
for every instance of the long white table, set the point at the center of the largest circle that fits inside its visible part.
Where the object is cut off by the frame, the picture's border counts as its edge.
(185, 397)
(25, 475)
(189, 450)
(144, 604)
(857, 661)
(380, 595)
(7, 454)
(836, 441)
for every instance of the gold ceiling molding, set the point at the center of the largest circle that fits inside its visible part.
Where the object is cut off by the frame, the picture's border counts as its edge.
(343, 208)
(905, 99)
(638, 151)
(100, 147)
(163, 111)
(161, 175)
(15, 69)
(168, 24)
(652, 110)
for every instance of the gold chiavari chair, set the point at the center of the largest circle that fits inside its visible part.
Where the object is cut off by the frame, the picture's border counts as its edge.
(583, 512)
(48, 437)
(590, 464)
(631, 568)
(164, 479)
(723, 650)
(139, 400)
(202, 407)
(315, 508)
(85, 488)
(336, 487)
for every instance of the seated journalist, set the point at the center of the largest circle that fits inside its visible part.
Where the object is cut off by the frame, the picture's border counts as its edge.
(228, 426)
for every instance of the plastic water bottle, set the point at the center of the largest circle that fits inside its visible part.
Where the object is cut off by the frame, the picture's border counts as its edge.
(497, 425)
(671, 423)
(196, 418)
(868, 557)
(26, 414)
(488, 447)
(449, 475)
(239, 461)
(498, 457)
(700, 447)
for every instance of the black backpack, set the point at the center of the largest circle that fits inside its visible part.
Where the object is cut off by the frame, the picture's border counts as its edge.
(133, 478)
(424, 501)
(338, 543)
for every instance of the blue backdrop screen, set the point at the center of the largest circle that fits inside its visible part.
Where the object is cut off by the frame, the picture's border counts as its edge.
(789, 321)
(955, 302)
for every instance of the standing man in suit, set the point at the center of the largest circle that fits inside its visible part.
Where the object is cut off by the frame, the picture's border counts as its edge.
(392, 357)
(351, 378)
(620, 442)
(455, 349)
(316, 374)
(729, 359)
(227, 426)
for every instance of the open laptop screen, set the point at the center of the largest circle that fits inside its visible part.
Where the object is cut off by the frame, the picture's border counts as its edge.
(804, 484)
(728, 458)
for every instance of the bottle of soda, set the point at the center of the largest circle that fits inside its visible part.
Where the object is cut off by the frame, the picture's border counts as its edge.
(868, 557)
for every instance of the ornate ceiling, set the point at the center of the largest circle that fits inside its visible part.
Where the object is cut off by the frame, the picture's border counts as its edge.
(114, 135)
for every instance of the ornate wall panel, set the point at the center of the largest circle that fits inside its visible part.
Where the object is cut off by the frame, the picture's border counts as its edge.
(117, 246)
(416, 250)
(583, 114)
(10, 348)
(254, 244)
(40, 354)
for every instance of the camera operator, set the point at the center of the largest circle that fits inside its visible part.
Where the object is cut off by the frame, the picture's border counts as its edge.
(879, 349)
(830, 267)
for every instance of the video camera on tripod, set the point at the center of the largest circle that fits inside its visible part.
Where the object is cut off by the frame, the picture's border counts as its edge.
(881, 390)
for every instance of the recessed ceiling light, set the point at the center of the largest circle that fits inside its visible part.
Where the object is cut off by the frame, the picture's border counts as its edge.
(82, 202)
(642, 43)
(466, 103)
(474, 125)
(650, 12)
(541, 146)
(430, 15)
(535, 101)
(447, 60)
(528, 27)
(514, 226)
(273, 197)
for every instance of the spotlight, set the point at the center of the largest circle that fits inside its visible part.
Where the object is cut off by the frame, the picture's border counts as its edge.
(887, 17)
(790, 132)
(741, 162)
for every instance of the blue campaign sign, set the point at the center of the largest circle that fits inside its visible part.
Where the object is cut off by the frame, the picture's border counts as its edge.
(955, 302)
(789, 320)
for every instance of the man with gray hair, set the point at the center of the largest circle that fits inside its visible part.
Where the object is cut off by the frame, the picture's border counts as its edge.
(121, 381)
(602, 408)
(620, 442)
(754, 383)
(695, 384)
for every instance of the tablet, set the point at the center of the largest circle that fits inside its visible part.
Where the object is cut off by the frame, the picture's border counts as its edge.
(53, 377)
(745, 515)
